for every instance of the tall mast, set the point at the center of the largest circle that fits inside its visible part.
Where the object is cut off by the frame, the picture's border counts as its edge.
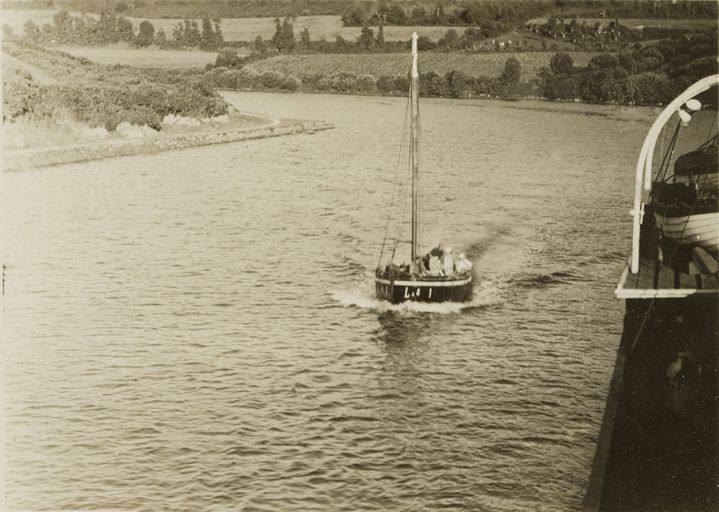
(414, 144)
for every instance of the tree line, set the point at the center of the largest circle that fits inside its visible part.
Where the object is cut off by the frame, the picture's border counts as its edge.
(109, 29)
(231, 73)
(638, 75)
(371, 39)
(635, 75)
(494, 16)
(419, 12)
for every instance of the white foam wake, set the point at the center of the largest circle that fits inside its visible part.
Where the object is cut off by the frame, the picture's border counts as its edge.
(485, 295)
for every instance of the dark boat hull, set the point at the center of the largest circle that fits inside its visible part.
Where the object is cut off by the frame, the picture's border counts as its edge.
(435, 290)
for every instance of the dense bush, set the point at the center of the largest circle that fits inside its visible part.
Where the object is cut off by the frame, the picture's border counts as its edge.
(561, 63)
(559, 87)
(647, 89)
(344, 82)
(431, 84)
(603, 61)
(107, 95)
(457, 84)
(366, 83)
(510, 77)
(271, 80)
(228, 58)
(485, 86)
(385, 84)
(650, 74)
(21, 98)
(401, 84)
(291, 83)
(324, 83)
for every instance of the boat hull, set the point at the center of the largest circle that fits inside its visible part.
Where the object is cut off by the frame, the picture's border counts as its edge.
(446, 290)
(701, 229)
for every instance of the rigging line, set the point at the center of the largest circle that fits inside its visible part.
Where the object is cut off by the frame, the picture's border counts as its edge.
(710, 142)
(395, 187)
(661, 174)
(403, 183)
(711, 127)
(671, 257)
(405, 164)
(420, 182)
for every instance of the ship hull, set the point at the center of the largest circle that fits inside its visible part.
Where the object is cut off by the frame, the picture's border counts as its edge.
(445, 290)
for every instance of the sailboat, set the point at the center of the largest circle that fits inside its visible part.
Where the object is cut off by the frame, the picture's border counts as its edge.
(439, 275)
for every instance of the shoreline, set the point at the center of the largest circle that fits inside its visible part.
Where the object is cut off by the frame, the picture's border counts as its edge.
(515, 99)
(20, 159)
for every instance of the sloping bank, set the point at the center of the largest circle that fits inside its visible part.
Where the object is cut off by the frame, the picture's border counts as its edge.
(42, 157)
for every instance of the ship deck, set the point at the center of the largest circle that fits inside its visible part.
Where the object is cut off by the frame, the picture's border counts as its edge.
(669, 284)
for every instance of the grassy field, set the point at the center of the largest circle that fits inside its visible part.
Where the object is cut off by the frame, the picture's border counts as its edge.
(481, 64)
(247, 29)
(144, 57)
(16, 18)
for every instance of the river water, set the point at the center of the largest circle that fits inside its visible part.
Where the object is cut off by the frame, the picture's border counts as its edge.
(196, 330)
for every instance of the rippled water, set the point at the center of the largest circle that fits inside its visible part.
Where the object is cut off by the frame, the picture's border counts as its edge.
(196, 330)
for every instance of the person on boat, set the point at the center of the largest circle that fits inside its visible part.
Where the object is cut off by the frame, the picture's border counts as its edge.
(414, 268)
(435, 266)
(424, 264)
(447, 262)
(391, 271)
(437, 250)
(462, 265)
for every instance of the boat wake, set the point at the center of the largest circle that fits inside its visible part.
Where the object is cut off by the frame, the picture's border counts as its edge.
(485, 295)
(545, 280)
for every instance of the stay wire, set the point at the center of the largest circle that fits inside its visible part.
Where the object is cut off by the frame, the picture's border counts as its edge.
(395, 187)
(407, 176)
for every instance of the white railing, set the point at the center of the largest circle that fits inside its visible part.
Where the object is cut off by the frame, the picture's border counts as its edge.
(643, 178)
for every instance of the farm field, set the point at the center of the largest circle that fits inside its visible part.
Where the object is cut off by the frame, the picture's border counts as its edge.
(143, 57)
(478, 64)
(16, 18)
(247, 29)
(688, 24)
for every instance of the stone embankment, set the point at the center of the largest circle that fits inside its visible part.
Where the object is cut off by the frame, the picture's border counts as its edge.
(42, 157)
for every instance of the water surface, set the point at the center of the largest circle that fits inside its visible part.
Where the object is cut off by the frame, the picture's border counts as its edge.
(196, 329)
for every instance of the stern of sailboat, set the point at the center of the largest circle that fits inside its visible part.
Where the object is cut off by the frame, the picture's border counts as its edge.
(456, 289)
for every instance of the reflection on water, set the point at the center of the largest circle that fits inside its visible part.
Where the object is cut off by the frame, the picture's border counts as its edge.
(398, 329)
(197, 329)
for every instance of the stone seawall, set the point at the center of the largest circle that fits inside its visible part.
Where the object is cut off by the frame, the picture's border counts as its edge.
(42, 157)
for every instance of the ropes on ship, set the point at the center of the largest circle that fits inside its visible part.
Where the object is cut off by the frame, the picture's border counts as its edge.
(664, 167)
(420, 182)
(396, 189)
(661, 176)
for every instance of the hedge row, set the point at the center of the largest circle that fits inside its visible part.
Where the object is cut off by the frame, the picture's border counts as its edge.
(454, 84)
